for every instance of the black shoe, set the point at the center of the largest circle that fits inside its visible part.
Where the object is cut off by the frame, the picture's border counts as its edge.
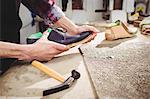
(62, 38)
(59, 36)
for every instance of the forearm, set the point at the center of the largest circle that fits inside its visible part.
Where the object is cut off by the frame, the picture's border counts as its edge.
(54, 15)
(57, 17)
(67, 24)
(11, 50)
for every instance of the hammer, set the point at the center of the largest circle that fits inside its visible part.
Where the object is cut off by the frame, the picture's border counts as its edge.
(65, 83)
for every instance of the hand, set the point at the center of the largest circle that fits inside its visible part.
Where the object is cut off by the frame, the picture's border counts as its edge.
(43, 49)
(83, 28)
(86, 28)
(73, 29)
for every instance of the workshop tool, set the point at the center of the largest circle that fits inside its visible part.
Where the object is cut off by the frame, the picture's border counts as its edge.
(65, 83)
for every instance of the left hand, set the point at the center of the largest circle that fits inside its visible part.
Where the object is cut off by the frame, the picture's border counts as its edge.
(86, 28)
(74, 29)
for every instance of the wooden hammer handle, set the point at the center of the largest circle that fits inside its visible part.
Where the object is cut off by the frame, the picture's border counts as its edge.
(48, 71)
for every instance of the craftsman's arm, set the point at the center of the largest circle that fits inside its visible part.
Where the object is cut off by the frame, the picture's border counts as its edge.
(72, 28)
(11, 50)
(52, 14)
(42, 50)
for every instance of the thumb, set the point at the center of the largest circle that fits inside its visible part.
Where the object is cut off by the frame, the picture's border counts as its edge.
(45, 34)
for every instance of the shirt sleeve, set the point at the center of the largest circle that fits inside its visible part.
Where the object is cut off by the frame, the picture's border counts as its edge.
(50, 12)
(53, 15)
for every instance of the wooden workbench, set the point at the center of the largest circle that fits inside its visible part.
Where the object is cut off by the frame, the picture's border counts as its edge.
(24, 81)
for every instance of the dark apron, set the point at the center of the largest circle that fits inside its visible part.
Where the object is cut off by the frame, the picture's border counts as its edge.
(9, 28)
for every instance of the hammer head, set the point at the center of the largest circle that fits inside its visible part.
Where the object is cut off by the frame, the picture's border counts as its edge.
(65, 85)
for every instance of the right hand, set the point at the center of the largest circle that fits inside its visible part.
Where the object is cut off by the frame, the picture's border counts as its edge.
(43, 49)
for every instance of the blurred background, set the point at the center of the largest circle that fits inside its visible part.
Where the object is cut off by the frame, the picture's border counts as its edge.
(89, 12)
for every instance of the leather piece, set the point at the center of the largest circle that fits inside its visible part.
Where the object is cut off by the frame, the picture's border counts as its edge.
(116, 32)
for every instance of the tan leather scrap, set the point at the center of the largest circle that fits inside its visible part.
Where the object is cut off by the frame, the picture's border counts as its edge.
(118, 31)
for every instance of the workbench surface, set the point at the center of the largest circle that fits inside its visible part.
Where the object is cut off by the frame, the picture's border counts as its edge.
(24, 81)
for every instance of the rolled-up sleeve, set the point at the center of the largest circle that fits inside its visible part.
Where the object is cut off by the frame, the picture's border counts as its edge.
(51, 13)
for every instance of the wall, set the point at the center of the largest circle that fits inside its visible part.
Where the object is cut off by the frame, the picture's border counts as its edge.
(26, 29)
(86, 15)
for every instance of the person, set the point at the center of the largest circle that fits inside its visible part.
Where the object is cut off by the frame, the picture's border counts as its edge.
(42, 50)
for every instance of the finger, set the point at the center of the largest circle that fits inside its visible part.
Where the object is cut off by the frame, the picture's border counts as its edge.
(91, 28)
(60, 47)
(45, 34)
(91, 37)
(46, 58)
(55, 52)
(94, 35)
(87, 28)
